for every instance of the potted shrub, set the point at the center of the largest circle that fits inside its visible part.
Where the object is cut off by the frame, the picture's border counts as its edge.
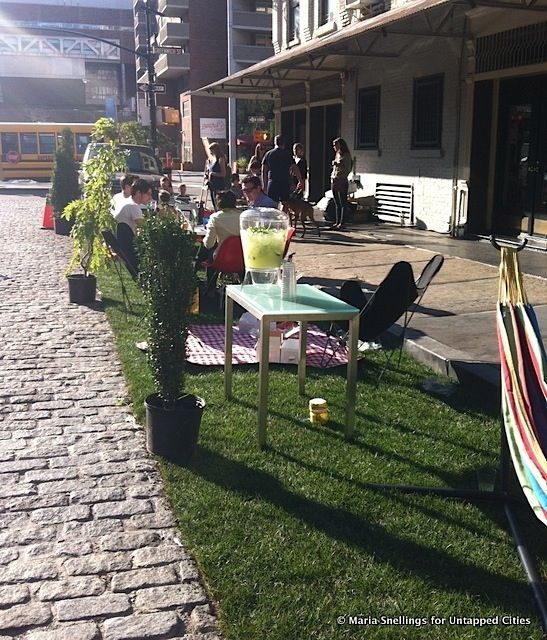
(92, 214)
(168, 282)
(64, 181)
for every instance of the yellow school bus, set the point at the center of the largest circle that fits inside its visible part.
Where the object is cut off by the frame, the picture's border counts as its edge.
(27, 149)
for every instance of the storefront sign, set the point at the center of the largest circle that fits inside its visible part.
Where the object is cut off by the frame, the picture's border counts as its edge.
(212, 128)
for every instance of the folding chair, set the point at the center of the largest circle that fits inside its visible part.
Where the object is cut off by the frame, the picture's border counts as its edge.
(430, 270)
(229, 260)
(126, 241)
(390, 301)
(117, 254)
(290, 233)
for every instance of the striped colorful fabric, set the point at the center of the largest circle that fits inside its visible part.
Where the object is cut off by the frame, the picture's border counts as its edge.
(524, 384)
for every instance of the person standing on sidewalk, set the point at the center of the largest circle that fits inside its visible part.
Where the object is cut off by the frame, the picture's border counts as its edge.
(277, 168)
(300, 162)
(216, 171)
(341, 167)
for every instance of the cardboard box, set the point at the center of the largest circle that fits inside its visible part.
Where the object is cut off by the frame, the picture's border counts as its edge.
(274, 346)
(290, 350)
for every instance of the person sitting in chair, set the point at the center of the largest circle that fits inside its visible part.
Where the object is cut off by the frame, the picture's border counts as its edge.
(236, 186)
(124, 196)
(165, 208)
(222, 224)
(182, 195)
(131, 213)
(252, 190)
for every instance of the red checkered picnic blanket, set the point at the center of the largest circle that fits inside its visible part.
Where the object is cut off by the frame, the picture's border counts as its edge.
(205, 346)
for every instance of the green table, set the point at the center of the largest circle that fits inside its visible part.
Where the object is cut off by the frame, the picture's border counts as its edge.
(311, 305)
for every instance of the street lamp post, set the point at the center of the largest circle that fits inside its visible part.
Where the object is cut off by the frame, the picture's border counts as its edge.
(151, 79)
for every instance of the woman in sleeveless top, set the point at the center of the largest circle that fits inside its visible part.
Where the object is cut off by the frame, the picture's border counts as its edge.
(216, 170)
(341, 167)
(258, 156)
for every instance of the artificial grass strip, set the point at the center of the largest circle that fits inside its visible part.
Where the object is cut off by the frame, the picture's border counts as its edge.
(291, 539)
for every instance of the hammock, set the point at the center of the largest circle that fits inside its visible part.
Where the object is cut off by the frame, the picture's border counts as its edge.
(524, 386)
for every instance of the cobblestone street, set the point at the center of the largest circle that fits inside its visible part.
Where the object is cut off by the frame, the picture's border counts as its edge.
(88, 545)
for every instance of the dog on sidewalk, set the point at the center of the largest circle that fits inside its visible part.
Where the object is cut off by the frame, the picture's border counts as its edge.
(299, 210)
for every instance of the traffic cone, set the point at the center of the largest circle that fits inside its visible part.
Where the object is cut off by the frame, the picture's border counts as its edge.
(47, 219)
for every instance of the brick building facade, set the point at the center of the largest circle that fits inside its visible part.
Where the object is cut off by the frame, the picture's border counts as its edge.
(208, 41)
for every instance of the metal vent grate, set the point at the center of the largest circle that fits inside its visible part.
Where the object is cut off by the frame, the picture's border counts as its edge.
(514, 48)
(394, 203)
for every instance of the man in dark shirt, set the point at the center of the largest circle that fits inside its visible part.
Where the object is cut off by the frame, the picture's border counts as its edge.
(277, 167)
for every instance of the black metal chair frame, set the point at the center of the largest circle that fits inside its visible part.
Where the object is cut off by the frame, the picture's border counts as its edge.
(430, 270)
(337, 338)
(117, 252)
(422, 284)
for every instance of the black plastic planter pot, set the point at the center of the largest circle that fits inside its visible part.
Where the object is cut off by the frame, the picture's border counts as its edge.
(81, 289)
(62, 227)
(173, 433)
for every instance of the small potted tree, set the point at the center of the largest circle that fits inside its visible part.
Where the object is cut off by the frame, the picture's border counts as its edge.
(64, 181)
(167, 279)
(91, 215)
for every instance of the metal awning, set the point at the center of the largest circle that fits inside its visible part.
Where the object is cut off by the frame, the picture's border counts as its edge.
(383, 36)
(387, 35)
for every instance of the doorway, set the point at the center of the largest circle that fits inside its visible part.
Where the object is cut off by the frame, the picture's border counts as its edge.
(325, 125)
(520, 188)
(293, 127)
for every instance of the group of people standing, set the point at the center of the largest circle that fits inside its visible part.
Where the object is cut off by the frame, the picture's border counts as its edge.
(277, 176)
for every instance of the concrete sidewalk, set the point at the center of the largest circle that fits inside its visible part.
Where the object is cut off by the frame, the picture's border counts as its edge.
(454, 329)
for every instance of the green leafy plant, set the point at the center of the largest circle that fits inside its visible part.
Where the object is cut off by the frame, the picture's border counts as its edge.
(168, 283)
(242, 163)
(92, 214)
(64, 180)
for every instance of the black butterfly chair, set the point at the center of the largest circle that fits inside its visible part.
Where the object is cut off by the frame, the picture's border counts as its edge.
(391, 301)
(430, 270)
(118, 255)
(126, 241)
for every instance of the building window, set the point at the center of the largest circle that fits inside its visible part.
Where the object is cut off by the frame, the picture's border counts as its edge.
(186, 109)
(368, 118)
(262, 40)
(326, 11)
(186, 152)
(294, 19)
(427, 112)
(263, 6)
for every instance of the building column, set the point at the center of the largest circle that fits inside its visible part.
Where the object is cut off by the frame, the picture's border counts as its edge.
(232, 129)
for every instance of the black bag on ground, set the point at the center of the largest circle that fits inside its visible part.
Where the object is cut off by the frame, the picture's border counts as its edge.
(330, 211)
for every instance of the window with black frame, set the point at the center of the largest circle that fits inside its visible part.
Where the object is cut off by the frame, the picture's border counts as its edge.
(427, 112)
(368, 118)
(294, 19)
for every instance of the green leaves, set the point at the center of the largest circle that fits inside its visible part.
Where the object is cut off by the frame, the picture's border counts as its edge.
(168, 283)
(93, 214)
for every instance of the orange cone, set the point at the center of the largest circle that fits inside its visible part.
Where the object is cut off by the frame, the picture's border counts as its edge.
(47, 219)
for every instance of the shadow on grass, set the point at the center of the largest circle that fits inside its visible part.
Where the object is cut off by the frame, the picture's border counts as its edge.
(433, 565)
(365, 486)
